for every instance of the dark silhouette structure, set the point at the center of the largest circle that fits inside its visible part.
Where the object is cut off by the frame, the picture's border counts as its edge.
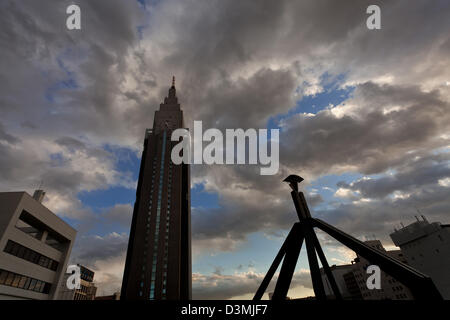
(421, 286)
(158, 262)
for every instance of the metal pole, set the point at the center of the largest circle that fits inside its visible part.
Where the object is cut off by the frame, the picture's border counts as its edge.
(316, 277)
(316, 244)
(326, 268)
(308, 232)
(276, 262)
(290, 260)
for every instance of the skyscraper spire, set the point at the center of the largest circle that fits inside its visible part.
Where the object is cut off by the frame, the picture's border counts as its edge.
(172, 90)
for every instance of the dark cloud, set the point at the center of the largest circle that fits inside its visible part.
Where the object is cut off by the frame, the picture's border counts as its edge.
(120, 213)
(13, 161)
(99, 248)
(105, 255)
(413, 174)
(248, 202)
(4, 136)
(381, 127)
(380, 217)
(249, 101)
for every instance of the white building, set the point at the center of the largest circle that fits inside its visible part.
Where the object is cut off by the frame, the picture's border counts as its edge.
(426, 247)
(35, 246)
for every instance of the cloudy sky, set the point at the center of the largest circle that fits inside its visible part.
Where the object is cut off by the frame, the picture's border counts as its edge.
(364, 117)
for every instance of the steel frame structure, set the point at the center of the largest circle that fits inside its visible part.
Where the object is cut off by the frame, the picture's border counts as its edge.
(421, 286)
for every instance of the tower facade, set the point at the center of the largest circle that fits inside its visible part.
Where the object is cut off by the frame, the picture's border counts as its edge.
(158, 262)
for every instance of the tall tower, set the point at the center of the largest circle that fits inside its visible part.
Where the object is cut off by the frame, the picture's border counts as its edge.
(158, 262)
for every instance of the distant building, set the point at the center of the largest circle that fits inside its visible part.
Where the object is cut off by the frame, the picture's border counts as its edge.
(351, 279)
(35, 246)
(87, 289)
(426, 247)
(344, 284)
(114, 296)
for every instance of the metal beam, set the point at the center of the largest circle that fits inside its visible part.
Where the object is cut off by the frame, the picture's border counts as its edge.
(421, 286)
(293, 248)
(304, 207)
(316, 277)
(326, 268)
(276, 262)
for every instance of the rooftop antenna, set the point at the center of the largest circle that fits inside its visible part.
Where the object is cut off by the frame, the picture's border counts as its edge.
(418, 211)
(423, 217)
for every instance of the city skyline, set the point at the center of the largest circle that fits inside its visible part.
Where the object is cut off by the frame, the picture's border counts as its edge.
(363, 117)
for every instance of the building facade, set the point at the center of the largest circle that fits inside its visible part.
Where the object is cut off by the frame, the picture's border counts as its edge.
(87, 289)
(426, 247)
(35, 246)
(341, 274)
(158, 262)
